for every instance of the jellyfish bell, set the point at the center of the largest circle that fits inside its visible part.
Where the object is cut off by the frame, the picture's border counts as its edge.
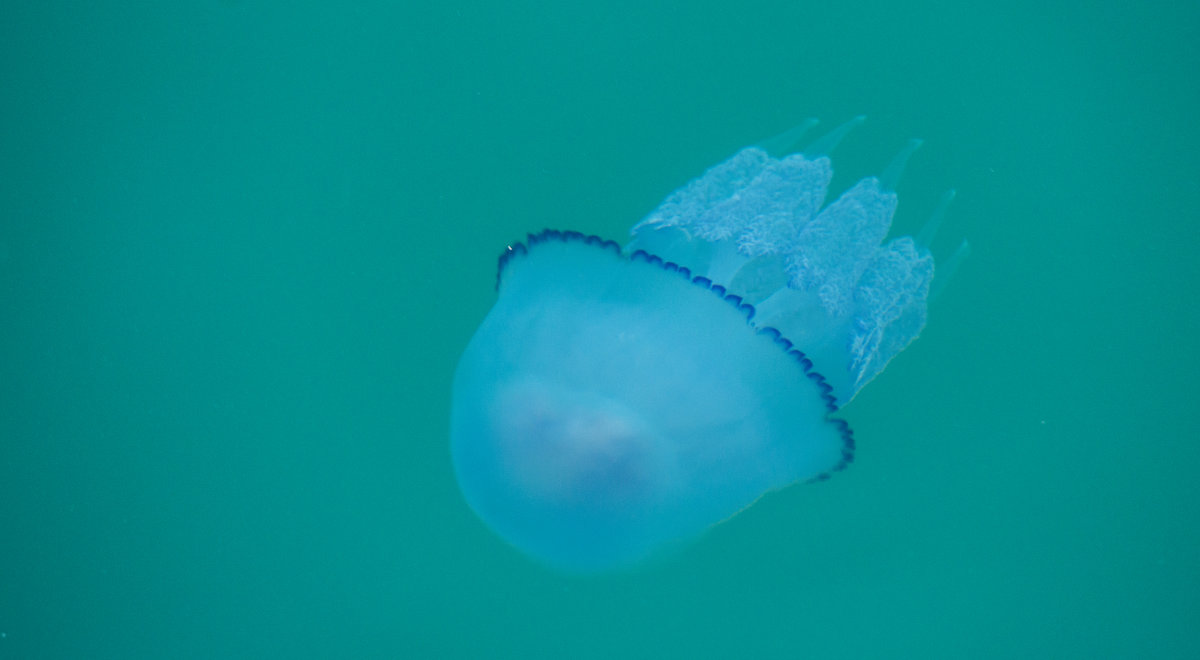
(601, 412)
(615, 402)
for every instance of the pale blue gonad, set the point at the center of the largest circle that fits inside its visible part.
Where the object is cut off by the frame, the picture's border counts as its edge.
(619, 401)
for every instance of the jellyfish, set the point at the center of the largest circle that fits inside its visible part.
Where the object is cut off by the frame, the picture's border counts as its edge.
(618, 401)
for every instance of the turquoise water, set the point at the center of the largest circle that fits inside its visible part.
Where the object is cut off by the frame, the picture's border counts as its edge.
(242, 247)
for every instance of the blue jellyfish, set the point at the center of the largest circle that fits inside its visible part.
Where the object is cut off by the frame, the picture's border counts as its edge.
(616, 402)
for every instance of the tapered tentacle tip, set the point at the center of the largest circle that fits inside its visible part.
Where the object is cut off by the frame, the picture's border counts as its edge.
(963, 251)
(786, 142)
(929, 231)
(891, 174)
(946, 270)
(827, 143)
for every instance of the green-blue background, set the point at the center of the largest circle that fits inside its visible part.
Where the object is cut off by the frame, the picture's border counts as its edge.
(242, 245)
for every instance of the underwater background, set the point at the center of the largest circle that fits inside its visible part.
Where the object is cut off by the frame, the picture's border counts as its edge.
(243, 244)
